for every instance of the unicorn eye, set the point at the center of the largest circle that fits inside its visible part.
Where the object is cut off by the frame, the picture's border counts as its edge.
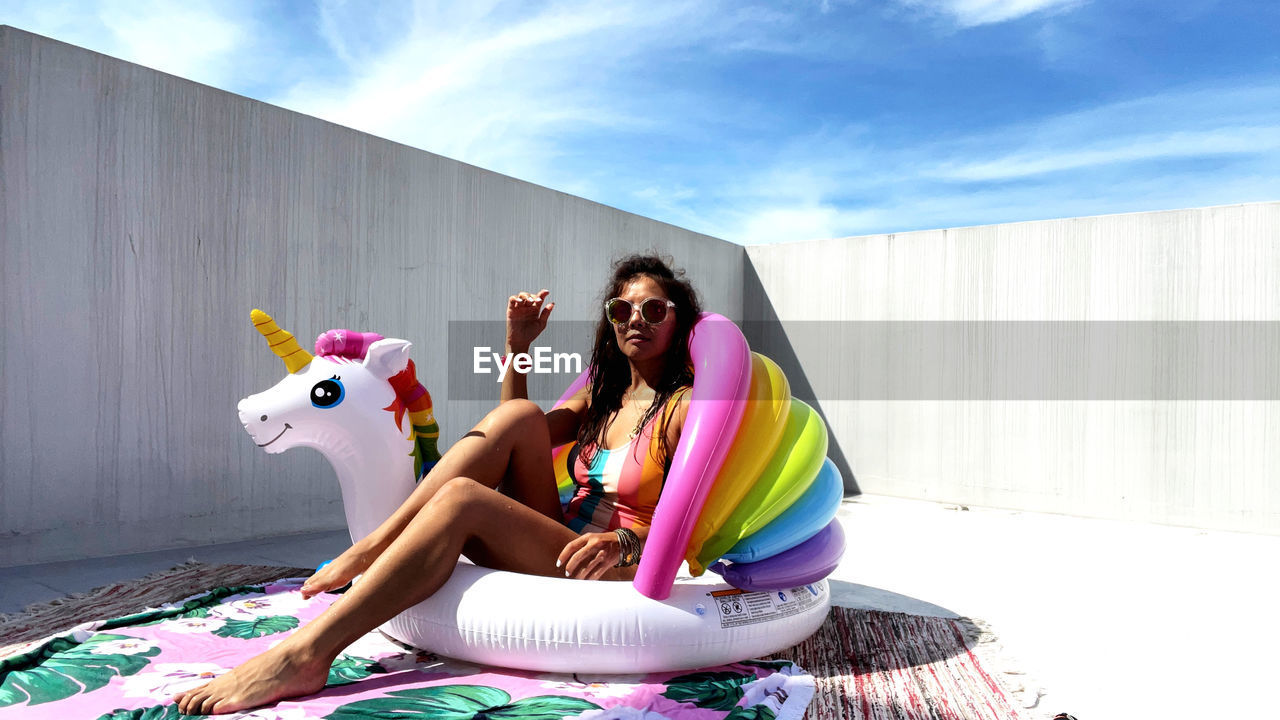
(327, 393)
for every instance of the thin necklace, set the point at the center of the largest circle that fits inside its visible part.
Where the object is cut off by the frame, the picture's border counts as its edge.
(635, 431)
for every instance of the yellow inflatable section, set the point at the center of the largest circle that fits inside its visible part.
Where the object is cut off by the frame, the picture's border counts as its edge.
(757, 440)
(790, 471)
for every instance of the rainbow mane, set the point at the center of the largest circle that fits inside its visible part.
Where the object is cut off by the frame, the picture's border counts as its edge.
(411, 397)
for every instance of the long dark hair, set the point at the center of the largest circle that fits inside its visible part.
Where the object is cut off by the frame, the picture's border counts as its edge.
(610, 371)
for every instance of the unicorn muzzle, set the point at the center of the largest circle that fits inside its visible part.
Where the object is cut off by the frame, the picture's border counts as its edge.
(262, 430)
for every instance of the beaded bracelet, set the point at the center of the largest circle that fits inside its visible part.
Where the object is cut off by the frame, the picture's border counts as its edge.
(629, 550)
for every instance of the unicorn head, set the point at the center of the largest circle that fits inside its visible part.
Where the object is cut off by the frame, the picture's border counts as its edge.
(358, 402)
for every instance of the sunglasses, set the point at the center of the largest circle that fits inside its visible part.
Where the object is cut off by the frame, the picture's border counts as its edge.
(653, 311)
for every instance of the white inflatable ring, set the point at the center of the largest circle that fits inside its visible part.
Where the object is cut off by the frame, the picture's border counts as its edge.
(553, 625)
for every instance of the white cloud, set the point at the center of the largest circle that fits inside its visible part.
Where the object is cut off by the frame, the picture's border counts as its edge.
(1197, 122)
(464, 81)
(201, 40)
(1217, 145)
(971, 13)
(1169, 145)
(511, 87)
(769, 225)
(192, 40)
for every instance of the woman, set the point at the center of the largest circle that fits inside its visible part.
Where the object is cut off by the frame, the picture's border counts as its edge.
(493, 496)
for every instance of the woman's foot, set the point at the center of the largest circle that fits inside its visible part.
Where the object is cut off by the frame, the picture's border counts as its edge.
(279, 673)
(340, 571)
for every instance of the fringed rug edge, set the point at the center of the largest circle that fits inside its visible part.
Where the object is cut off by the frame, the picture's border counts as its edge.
(1023, 688)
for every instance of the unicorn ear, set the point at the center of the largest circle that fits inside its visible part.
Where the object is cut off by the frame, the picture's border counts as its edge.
(387, 358)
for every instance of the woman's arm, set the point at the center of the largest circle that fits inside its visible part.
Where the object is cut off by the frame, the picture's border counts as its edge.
(526, 319)
(564, 420)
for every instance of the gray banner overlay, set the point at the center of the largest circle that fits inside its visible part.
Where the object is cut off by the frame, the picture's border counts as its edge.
(472, 345)
(950, 360)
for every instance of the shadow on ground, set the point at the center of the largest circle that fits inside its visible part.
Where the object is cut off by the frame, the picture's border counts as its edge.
(865, 597)
(871, 630)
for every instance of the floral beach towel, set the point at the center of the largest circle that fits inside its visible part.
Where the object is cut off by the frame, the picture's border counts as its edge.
(130, 667)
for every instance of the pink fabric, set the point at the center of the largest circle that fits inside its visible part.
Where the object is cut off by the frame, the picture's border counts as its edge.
(121, 671)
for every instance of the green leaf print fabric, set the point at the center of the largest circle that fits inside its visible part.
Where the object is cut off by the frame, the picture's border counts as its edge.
(130, 668)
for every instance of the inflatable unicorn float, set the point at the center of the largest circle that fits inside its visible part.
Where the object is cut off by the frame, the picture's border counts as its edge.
(750, 495)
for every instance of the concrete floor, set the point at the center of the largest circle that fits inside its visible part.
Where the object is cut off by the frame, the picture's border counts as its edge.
(1108, 619)
(1113, 619)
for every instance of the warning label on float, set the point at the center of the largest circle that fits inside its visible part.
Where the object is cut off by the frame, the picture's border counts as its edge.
(739, 607)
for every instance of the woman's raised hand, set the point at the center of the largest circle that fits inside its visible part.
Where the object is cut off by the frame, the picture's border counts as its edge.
(526, 319)
(590, 555)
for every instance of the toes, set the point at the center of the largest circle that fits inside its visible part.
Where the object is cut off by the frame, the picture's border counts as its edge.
(205, 707)
(185, 699)
(204, 704)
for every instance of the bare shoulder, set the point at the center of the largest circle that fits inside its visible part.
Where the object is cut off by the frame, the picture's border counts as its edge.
(579, 400)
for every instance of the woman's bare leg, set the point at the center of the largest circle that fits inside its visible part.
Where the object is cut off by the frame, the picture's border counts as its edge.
(463, 514)
(510, 448)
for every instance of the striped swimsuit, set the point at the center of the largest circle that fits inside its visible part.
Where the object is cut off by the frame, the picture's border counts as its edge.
(622, 485)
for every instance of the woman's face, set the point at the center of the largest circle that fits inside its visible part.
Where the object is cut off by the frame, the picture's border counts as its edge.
(637, 339)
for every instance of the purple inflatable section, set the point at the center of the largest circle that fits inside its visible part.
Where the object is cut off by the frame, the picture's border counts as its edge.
(810, 561)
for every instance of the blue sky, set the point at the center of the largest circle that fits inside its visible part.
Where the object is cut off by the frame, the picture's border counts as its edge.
(764, 122)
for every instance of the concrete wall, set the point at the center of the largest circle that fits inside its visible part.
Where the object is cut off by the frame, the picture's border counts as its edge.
(145, 215)
(950, 366)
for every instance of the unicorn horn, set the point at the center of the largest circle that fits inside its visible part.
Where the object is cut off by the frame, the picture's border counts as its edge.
(282, 343)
